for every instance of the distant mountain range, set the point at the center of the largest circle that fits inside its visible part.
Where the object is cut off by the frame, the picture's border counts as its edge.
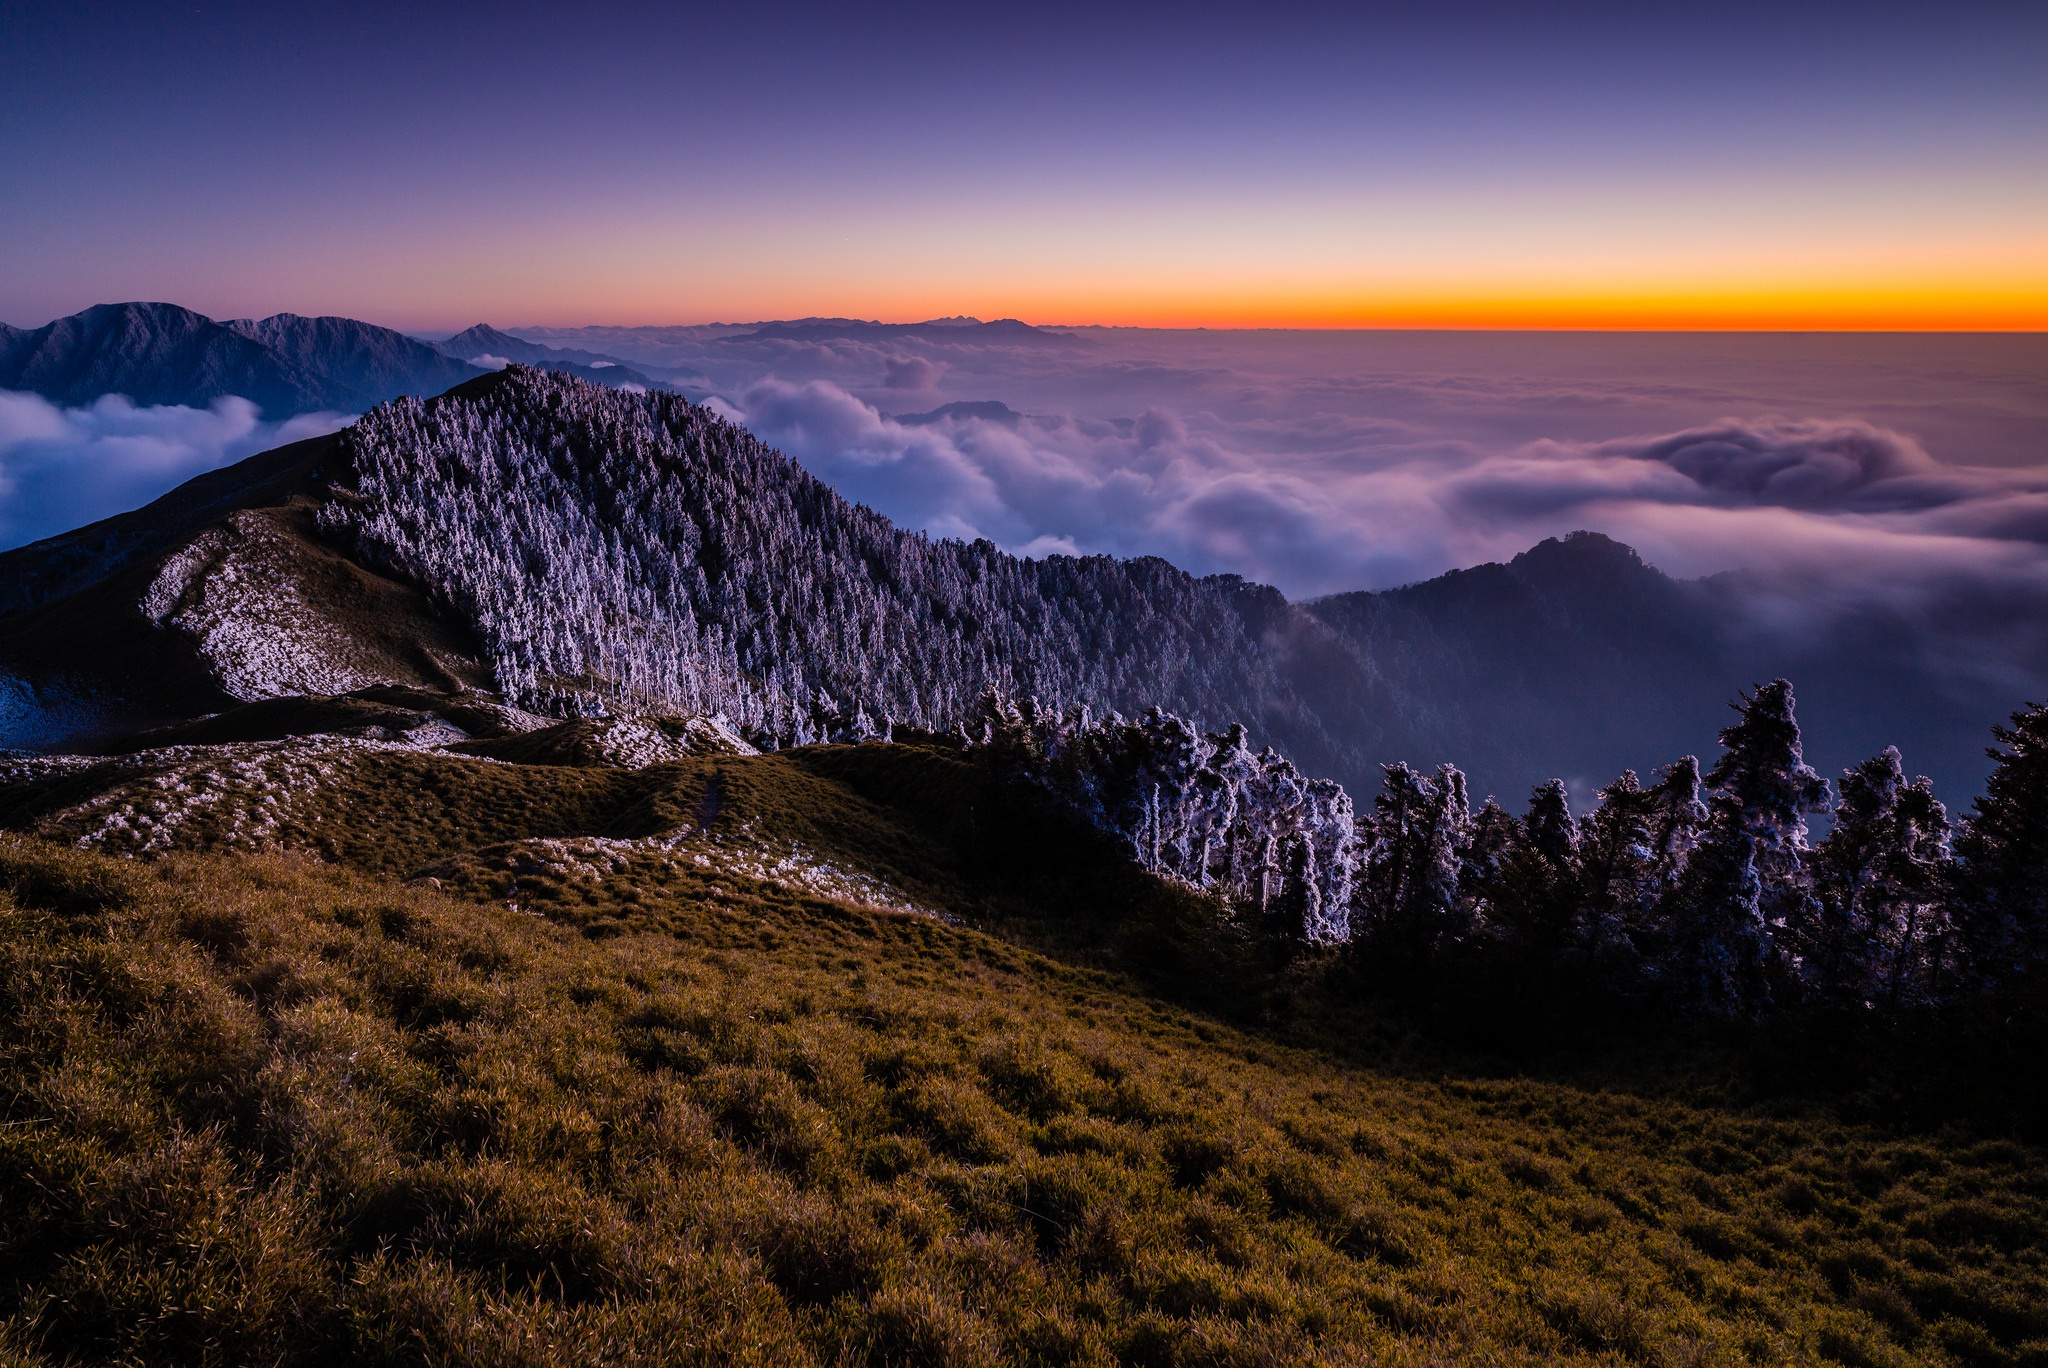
(285, 364)
(972, 331)
(573, 549)
(986, 410)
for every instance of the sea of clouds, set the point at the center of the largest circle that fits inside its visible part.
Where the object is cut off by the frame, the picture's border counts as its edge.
(61, 468)
(1323, 462)
(1318, 462)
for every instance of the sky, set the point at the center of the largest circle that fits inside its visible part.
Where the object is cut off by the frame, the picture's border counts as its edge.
(1861, 166)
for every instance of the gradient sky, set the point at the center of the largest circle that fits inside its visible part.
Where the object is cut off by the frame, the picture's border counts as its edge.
(1508, 165)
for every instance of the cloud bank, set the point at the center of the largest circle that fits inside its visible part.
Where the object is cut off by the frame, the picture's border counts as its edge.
(1808, 498)
(61, 468)
(1316, 462)
(1324, 462)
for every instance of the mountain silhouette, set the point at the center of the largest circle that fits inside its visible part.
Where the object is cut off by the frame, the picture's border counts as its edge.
(165, 354)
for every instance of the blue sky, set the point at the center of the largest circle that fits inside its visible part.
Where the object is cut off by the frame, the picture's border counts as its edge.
(429, 165)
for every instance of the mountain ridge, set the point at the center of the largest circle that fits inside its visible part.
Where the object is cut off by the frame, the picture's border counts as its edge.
(352, 357)
(154, 354)
(1008, 331)
(286, 364)
(482, 342)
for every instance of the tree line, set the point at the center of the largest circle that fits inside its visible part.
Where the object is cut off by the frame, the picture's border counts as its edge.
(1704, 889)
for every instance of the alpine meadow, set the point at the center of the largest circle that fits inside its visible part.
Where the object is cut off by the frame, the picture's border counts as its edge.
(1318, 688)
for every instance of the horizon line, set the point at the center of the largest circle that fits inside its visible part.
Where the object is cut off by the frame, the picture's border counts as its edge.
(1568, 321)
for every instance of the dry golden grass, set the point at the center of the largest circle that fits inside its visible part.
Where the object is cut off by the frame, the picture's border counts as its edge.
(256, 1109)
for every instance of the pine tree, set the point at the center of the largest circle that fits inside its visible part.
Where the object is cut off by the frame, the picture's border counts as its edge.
(1881, 934)
(2003, 854)
(1615, 855)
(1410, 884)
(1745, 882)
(1535, 901)
(1205, 810)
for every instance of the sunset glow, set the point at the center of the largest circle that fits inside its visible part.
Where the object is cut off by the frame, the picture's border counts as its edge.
(1599, 169)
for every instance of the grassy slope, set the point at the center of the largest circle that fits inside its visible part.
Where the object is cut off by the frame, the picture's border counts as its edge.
(258, 1107)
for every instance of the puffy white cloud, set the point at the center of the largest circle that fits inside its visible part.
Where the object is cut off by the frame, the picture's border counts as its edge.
(63, 467)
(1319, 504)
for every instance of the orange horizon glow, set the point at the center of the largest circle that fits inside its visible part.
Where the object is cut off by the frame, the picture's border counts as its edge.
(1790, 312)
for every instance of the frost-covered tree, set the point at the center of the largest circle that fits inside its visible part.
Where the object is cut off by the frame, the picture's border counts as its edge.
(1881, 935)
(1632, 848)
(1417, 835)
(1491, 840)
(1532, 905)
(1745, 881)
(1204, 809)
(1617, 862)
(621, 552)
(1553, 836)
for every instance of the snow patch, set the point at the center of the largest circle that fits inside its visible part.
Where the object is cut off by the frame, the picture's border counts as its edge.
(635, 743)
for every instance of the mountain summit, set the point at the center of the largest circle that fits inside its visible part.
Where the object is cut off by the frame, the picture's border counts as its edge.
(584, 549)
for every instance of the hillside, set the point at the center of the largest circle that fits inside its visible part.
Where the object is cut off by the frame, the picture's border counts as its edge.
(746, 1059)
(1576, 659)
(358, 364)
(420, 1024)
(221, 591)
(579, 549)
(606, 549)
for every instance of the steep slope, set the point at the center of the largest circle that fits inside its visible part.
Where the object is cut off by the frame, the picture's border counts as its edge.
(605, 550)
(266, 1110)
(156, 354)
(583, 549)
(358, 365)
(221, 591)
(641, 548)
(58, 566)
(485, 340)
(1572, 659)
(1577, 660)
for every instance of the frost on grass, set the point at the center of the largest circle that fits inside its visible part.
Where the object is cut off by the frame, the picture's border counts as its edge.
(738, 854)
(618, 742)
(278, 796)
(242, 796)
(234, 590)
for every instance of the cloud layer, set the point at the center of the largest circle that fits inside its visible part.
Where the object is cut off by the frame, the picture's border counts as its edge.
(1276, 503)
(61, 468)
(1316, 462)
